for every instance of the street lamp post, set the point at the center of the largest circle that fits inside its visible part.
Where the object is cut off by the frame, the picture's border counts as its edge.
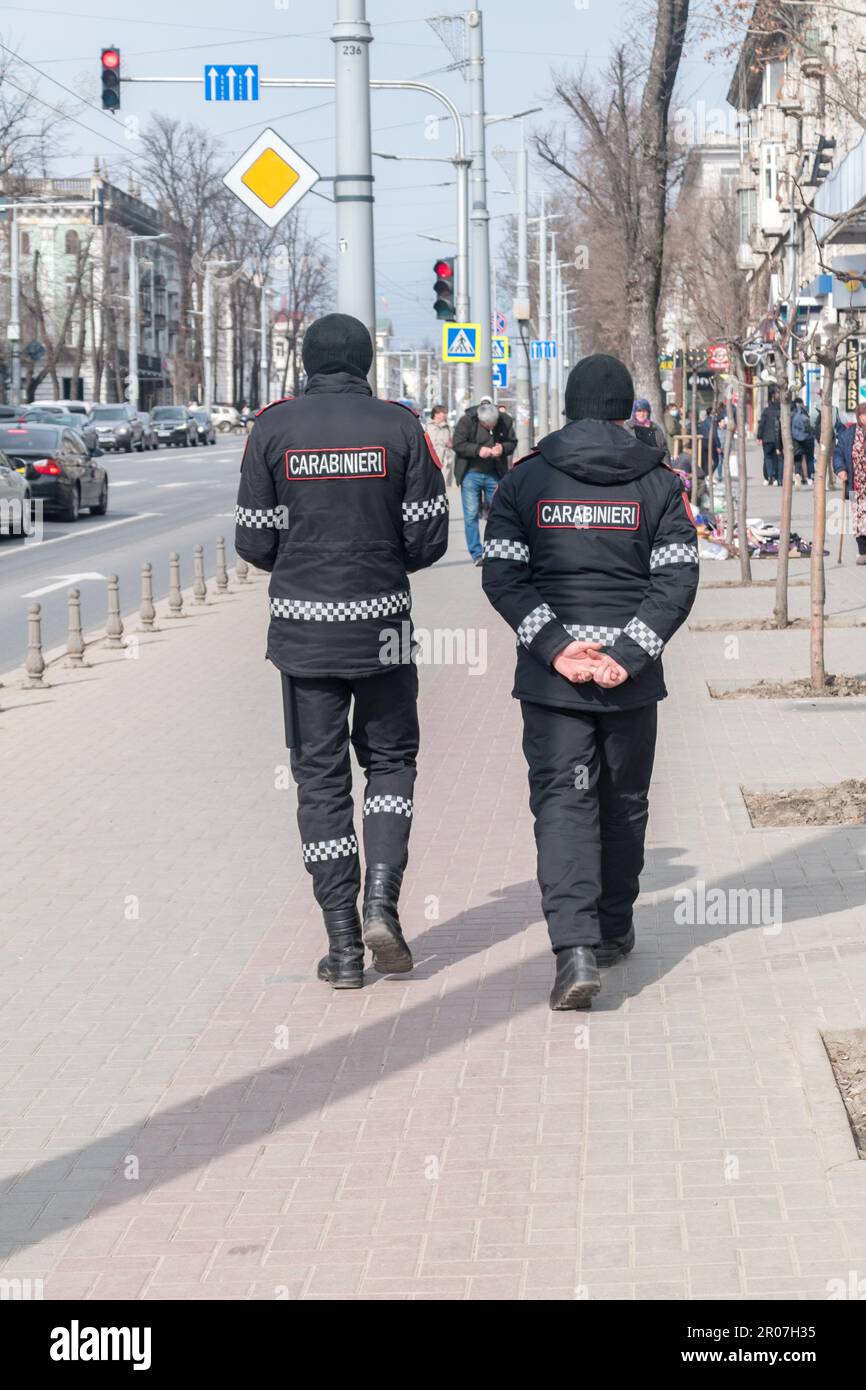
(353, 184)
(479, 216)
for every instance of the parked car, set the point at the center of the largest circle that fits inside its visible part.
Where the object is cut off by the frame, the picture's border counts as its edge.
(10, 412)
(226, 418)
(204, 426)
(58, 415)
(118, 427)
(58, 468)
(151, 440)
(175, 425)
(14, 499)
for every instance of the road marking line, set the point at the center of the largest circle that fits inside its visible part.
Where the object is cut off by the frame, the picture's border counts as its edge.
(74, 535)
(64, 581)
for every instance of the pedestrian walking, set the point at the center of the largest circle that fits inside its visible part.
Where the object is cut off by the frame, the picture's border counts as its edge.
(341, 499)
(849, 465)
(804, 444)
(439, 434)
(651, 433)
(591, 556)
(708, 429)
(673, 428)
(484, 442)
(769, 432)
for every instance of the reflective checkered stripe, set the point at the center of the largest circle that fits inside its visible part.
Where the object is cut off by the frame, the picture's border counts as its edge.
(533, 623)
(257, 518)
(388, 803)
(342, 611)
(586, 632)
(507, 550)
(644, 636)
(318, 851)
(422, 511)
(677, 553)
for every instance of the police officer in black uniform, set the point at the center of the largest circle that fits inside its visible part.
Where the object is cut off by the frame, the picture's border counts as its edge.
(591, 555)
(341, 498)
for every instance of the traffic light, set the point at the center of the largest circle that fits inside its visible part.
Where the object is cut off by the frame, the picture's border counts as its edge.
(444, 289)
(823, 161)
(110, 79)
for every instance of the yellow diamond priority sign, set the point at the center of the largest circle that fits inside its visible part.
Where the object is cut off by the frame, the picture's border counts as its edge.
(270, 178)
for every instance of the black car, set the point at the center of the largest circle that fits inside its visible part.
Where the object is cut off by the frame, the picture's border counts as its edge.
(58, 468)
(205, 427)
(117, 427)
(174, 424)
(56, 415)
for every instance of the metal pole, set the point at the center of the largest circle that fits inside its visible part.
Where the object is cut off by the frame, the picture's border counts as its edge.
(353, 185)
(480, 217)
(132, 374)
(207, 335)
(461, 271)
(14, 329)
(522, 384)
(555, 410)
(543, 325)
(264, 358)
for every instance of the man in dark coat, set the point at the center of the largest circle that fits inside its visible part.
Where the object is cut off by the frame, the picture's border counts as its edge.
(770, 434)
(591, 556)
(341, 498)
(484, 442)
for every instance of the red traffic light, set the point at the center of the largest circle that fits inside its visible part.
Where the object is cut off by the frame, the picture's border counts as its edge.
(111, 58)
(443, 270)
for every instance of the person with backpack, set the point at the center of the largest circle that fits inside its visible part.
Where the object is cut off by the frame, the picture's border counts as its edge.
(804, 444)
(770, 434)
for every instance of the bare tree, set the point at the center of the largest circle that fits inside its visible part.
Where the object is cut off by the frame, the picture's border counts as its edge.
(626, 135)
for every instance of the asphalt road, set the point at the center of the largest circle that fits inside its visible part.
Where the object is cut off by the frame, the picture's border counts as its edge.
(160, 501)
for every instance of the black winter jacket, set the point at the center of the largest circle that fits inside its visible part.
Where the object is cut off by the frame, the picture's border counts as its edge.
(590, 537)
(469, 436)
(770, 425)
(341, 498)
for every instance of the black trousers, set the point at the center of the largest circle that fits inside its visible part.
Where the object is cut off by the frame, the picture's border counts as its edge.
(589, 776)
(384, 734)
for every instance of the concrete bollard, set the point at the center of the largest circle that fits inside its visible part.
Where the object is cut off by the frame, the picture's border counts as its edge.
(146, 610)
(222, 574)
(242, 570)
(114, 622)
(199, 588)
(175, 595)
(35, 663)
(75, 638)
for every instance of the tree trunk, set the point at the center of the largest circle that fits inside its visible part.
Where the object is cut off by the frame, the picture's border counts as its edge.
(730, 521)
(742, 478)
(643, 346)
(780, 611)
(696, 441)
(817, 578)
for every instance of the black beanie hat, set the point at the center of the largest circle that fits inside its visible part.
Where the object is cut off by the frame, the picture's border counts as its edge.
(599, 388)
(337, 343)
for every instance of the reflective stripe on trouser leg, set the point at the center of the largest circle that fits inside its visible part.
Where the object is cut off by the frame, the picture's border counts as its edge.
(385, 738)
(627, 747)
(322, 770)
(560, 748)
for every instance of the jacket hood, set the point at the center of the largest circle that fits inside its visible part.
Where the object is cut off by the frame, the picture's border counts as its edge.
(322, 382)
(600, 452)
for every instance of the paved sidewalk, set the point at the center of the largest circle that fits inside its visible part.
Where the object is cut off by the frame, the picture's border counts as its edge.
(188, 1113)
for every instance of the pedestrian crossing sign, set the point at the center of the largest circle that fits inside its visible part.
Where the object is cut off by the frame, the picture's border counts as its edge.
(461, 342)
(499, 348)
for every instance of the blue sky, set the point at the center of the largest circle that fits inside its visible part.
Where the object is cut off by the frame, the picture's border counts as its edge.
(525, 41)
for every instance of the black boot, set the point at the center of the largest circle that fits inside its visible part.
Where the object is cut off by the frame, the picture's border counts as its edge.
(614, 948)
(343, 966)
(391, 955)
(577, 978)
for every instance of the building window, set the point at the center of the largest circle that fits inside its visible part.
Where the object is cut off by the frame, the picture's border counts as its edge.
(748, 213)
(72, 243)
(25, 243)
(774, 76)
(771, 161)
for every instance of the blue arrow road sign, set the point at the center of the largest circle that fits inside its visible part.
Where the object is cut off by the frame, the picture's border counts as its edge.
(542, 347)
(500, 375)
(231, 82)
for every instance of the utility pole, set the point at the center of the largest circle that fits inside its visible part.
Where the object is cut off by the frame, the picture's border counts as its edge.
(555, 406)
(543, 325)
(353, 184)
(14, 327)
(132, 374)
(523, 380)
(479, 216)
(207, 335)
(264, 353)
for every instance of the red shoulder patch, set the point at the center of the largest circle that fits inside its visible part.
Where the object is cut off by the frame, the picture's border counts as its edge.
(433, 454)
(281, 401)
(403, 406)
(533, 453)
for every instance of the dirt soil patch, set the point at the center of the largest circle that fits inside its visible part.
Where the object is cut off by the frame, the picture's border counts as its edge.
(843, 803)
(847, 1053)
(753, 584)
(842, 686)
(765, 624)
